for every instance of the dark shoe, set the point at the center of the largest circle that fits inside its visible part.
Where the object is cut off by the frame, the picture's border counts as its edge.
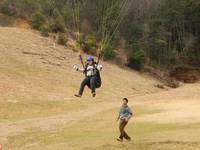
(78, 95)
(120, 140)
(93, 94)
(128, 139)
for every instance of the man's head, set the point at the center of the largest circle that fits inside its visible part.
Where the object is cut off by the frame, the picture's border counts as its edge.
(90, 59)
(125, 101)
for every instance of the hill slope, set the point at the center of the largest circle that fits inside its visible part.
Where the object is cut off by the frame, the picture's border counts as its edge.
(38, 110)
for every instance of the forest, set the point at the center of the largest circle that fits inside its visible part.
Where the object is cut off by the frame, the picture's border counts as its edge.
(158, 33)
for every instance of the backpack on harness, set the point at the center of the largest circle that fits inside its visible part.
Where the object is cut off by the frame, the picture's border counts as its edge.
(97, 75)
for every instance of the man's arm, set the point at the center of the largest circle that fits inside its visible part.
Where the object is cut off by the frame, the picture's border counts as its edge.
(78, 69)
(119, 115)
(130, 114)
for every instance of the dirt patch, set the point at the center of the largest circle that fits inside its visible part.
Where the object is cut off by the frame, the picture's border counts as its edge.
(186, 74)
(163, 77)
(20, 23)
(33, 53)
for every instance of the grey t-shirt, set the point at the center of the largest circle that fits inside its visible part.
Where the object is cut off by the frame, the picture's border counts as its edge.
(125, 112)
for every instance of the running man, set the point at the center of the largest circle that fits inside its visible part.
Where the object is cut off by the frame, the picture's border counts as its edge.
(125, 114)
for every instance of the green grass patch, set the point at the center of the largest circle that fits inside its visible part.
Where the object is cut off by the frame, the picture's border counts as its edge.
(99, 132)
(88, 135)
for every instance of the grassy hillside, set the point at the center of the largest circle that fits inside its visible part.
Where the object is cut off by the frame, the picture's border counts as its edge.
(38, 109)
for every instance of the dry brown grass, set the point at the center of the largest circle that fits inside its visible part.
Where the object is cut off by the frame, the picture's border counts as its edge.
(38, 110)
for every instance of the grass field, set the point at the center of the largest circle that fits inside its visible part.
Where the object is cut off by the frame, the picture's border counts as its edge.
(38, 110)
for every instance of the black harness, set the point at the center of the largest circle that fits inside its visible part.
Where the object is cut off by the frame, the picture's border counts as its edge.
(97, 74)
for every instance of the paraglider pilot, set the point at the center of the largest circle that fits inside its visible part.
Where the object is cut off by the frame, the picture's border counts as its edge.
(92, 76)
